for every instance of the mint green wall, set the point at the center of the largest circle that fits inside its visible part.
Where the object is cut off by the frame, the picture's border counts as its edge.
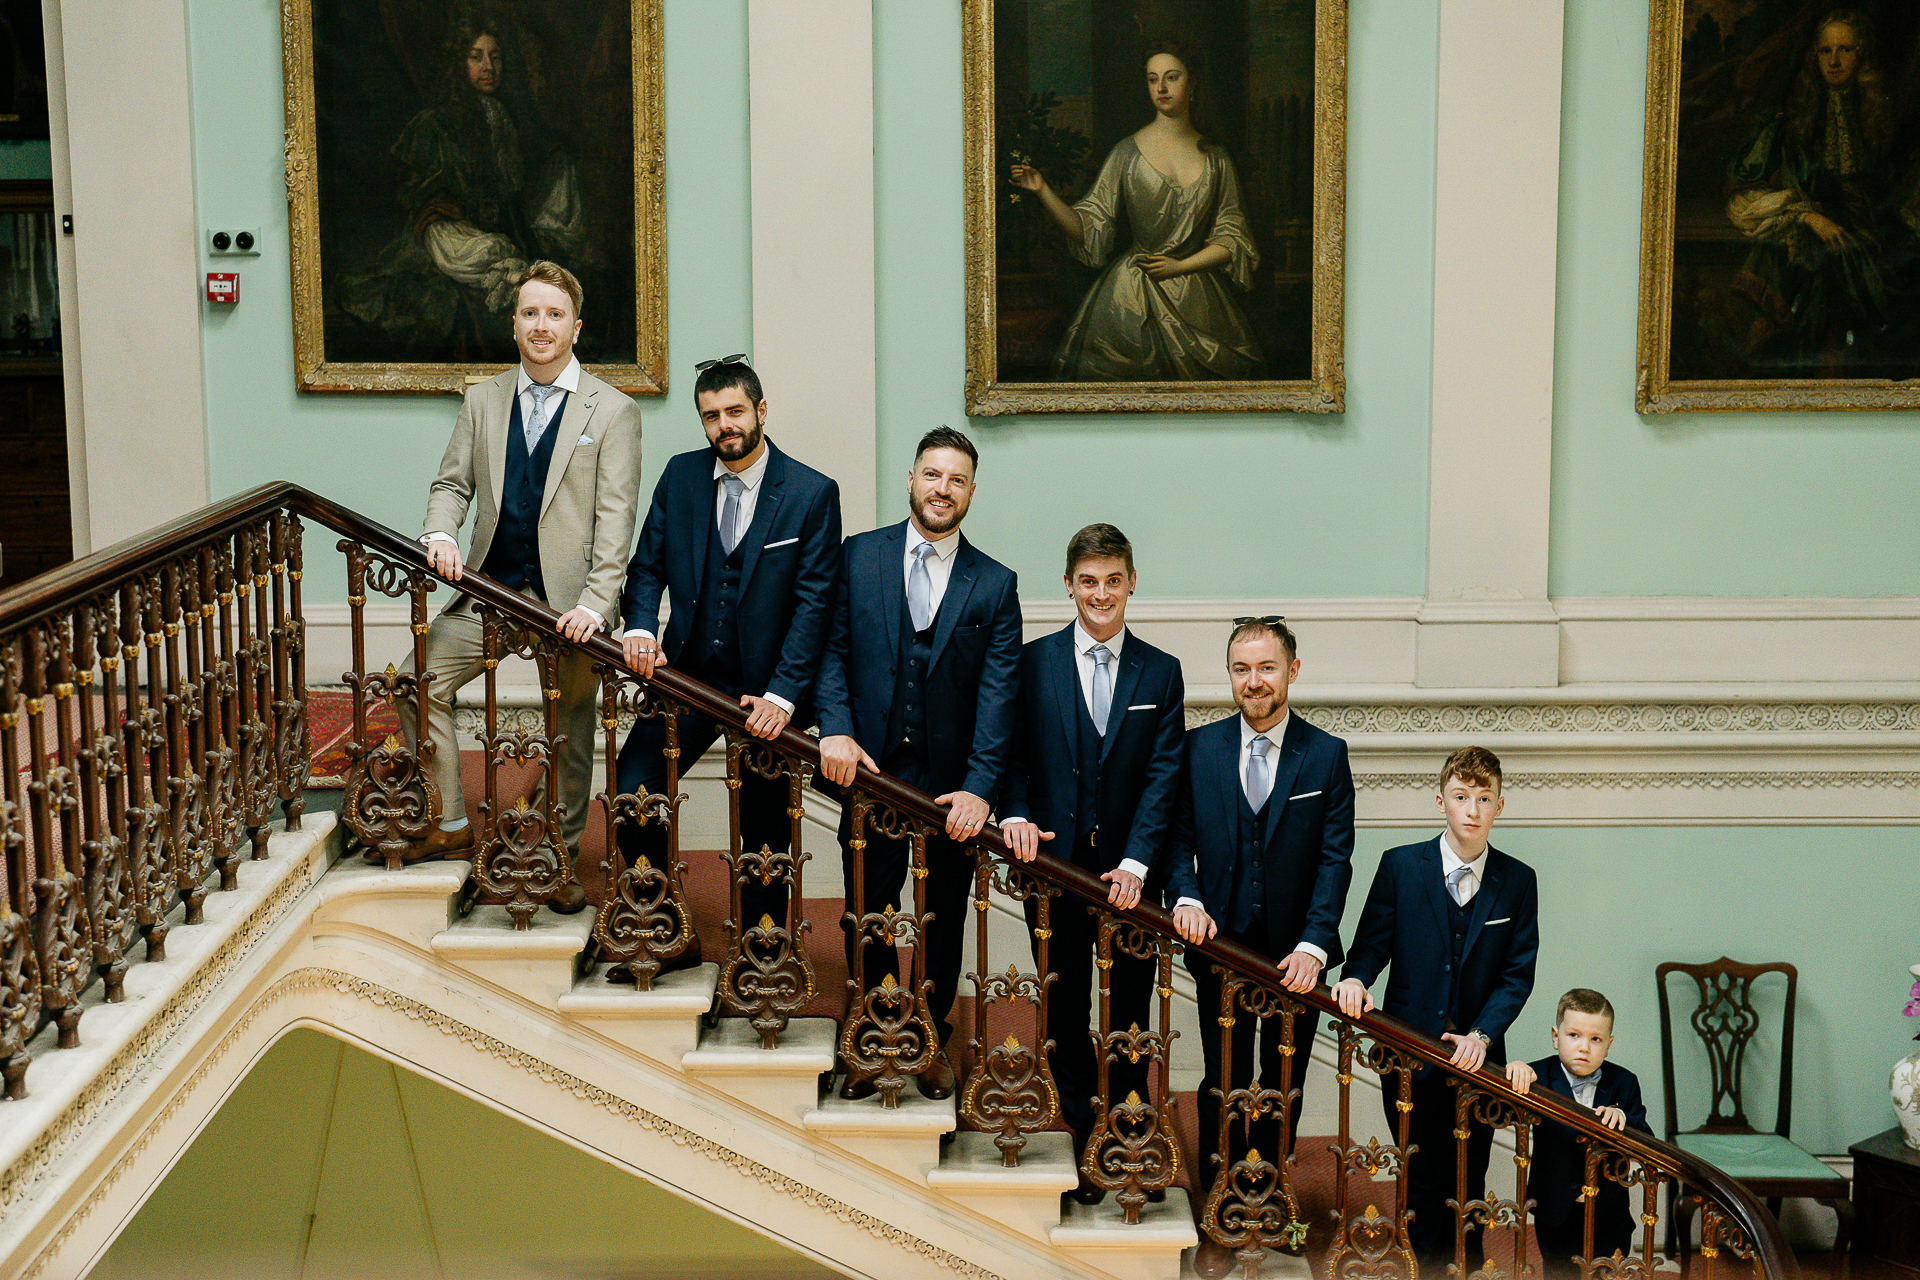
(1835, 902)
(1182, 486)
(27, 159)
(374, 1171)
(377, 453)
(1756, 504)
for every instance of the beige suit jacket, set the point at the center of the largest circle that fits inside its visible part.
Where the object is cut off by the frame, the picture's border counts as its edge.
(593, 486)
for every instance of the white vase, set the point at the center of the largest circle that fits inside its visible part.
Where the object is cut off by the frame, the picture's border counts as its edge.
(1906, 1096)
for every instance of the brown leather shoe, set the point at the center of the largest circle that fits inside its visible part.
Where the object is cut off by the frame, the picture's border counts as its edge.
(568, 899)
(1213, 1261)
(936, 1082)
(853, 1087)
(439, 843)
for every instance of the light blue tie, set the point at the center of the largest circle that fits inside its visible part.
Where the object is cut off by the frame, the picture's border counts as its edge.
(730, 513)
(1102, 689)
(1457, 884)
(538, 427)
(1258, 783)
(920, 589)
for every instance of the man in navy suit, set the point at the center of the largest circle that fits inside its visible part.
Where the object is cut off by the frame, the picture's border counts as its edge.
(921, 670)
(1263, 852)
(1578, 1071)
(1457, 922)
(1095, 759)
(746, 540)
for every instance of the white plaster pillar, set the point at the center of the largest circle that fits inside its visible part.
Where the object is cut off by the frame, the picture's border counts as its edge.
(810, 121)
(130, 279)
(1486, 620)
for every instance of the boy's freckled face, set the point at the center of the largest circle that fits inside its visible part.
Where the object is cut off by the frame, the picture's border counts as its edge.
(1582, 1041)
(1471, 808)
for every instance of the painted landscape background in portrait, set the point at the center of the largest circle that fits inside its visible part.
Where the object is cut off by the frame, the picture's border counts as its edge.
(1795, 203)
(403, 141)
(1069, 84)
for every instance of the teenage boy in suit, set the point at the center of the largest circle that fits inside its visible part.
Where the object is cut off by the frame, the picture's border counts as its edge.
(746, 541)
(1457, 922)
(547, 459)
(1262, 852)
(1096, 754)
(922, 669)
(1578, 1071)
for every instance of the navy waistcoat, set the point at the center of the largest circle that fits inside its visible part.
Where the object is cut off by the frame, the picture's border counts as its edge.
(513, 560)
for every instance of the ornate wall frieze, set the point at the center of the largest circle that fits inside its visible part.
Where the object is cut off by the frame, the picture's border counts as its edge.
(1349, 719)
(1802, 779)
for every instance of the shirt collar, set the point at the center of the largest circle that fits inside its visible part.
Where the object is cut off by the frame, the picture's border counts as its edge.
(1449, 860)
(942, 550)
(1273, 735)
(1581, 1082)
(568, 381)
(1082, 642)
(752, 476)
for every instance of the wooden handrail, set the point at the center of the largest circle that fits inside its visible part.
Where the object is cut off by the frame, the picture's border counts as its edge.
(72, 585)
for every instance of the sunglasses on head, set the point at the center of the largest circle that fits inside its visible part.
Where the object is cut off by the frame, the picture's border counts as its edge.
(736, 358)
(1271, 620)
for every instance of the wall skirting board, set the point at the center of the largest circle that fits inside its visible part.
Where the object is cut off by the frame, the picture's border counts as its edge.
(1671, 711)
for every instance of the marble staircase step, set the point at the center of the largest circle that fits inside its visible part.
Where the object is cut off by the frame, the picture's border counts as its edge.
(1025, 1197)
(1151, 1249)
(783, 1082)
(904, 1139)
(662, 1024)
(538, 963)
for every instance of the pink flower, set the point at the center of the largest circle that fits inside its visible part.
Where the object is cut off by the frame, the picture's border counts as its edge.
(1913, 1003)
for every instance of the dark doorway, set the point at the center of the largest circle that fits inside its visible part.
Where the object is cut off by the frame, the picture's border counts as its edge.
(36, 527)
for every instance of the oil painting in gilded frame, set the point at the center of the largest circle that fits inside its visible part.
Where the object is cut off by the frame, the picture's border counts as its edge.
(434, 147)
(1156, 205)
(1780, 225)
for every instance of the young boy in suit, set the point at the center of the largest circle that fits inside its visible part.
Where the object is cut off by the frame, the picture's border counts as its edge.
(1579, 1072)
(1456, 921)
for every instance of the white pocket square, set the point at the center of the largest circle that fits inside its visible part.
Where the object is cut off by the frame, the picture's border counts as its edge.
(782, 543)
(1143, 706)
(585, 439)
(1501, 920)
(1304, 795)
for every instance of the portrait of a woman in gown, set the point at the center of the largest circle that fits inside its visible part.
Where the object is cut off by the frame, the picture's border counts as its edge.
(486, 188)
(1163, 223)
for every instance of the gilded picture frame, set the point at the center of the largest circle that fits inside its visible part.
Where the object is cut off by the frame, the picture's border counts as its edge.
(433, 146)
(1780, 216)
(1049, 86)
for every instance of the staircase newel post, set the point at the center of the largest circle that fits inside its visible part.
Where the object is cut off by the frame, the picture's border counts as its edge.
(19, 959)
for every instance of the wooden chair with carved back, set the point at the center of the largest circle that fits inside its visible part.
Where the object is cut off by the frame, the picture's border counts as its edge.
(1769, 1164)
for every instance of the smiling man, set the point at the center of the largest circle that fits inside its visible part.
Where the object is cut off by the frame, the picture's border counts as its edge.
(921, 669)
(1262, 852)
(745, 540)
(547, 457)
(1096, 755)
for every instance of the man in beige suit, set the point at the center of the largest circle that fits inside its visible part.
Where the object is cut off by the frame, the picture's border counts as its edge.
(547, 457)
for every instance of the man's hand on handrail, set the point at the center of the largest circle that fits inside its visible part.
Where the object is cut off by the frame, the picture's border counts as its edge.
(1125, 893)
(967, 816)
(1469, 1049)
(1300, 972)
(1353, 997)
(642, 653)
(841, 758)
(443, 557)
(577, 624)
(765, 719)
(1194, 924)
(1023, 838)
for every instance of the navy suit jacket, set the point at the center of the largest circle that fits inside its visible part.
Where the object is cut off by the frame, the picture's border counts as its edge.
(1406, 926)
(789, 571)
(1309, 850)
(974, 677)
(1139, 758)
(1560, 1157)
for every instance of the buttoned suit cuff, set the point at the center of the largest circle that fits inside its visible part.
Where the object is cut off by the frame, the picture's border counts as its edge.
(1133, 867)
(1318, 953)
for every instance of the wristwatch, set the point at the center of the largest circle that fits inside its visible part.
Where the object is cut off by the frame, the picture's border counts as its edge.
(1485, 1039)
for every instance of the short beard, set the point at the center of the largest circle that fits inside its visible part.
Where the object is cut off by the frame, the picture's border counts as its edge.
(748, 443)
(925, 518)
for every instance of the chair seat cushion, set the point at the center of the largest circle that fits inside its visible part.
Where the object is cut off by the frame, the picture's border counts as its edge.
(1751, 1157)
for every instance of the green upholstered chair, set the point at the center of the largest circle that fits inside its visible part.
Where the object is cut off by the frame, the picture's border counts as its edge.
(1768, 1164)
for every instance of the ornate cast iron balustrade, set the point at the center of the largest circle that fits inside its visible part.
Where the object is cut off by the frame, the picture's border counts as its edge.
(153, 702)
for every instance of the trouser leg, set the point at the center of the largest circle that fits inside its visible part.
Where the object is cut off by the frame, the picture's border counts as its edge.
(1069, 1007)
(1432, 1177)
(950, 870)
(453, 656)
(576, 714)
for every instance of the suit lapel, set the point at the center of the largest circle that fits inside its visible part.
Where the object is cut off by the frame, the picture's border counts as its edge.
(499, 413)
(693, 512)
(1226, 767)
(1293, 752)
(772, 485)
(1483, 902)
(1062, 684)
(1434, 889)
(576, 420)
(966, 564)
(893, 587)
(1126, 680)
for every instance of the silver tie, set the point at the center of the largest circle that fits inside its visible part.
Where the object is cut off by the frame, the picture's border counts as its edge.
(920, 588)
(538, 427)
(1258, 783)
(730, 513)
(1102, 688)
(1457, 884)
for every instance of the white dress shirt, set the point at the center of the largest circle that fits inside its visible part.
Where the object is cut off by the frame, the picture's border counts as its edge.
(939, 564)
(568, 382)
(1584, 1087)
(1450, 861)
(743, 520)
(1276, 735)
